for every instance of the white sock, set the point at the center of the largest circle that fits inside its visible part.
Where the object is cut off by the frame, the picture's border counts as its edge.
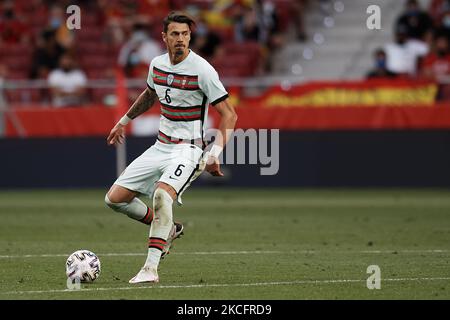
(161, 226)
(136, 209)
(153, 258)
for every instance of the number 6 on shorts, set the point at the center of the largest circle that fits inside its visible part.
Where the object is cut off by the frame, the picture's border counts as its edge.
(178, 171)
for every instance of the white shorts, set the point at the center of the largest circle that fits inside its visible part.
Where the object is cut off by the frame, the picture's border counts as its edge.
(174, 164)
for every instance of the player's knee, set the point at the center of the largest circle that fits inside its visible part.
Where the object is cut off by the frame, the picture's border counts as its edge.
(108, 202)
(162, 203)
(112, 205)
(168, 188)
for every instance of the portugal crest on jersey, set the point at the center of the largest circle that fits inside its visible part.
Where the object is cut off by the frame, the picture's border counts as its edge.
(183, 82)
(170, 79)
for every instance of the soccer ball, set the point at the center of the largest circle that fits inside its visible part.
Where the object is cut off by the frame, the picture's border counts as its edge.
(83, 265)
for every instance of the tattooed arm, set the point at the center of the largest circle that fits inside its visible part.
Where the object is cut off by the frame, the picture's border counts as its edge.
(144, 102)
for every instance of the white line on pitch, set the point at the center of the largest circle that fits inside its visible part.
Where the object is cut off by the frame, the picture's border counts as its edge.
(251, 201)
(234, 253)
(144, 254)
(223, 285)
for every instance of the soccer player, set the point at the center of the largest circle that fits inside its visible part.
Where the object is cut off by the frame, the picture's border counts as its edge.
(185, 84)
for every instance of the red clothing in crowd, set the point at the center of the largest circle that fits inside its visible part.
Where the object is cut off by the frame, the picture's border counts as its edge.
(436, 66)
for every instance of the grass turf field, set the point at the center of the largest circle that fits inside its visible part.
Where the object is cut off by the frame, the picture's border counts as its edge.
(238, 244)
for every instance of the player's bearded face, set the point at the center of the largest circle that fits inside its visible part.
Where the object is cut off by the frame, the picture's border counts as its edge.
(177, 38)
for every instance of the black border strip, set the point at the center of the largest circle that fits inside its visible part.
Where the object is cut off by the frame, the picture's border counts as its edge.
(180, 120)
(166, 85)
(202, 119)
(179, 107)
(150, 238)
(176, 74)
(220, 99)
(189, 179)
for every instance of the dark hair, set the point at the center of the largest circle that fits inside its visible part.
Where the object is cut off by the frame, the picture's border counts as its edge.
(379, 51)
(48, 34)
(180, 17)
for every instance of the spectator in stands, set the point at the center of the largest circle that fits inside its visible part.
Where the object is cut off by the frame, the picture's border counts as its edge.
(46, 55)
(438, 8)
(298, 12)
(205, 42)
(119, 17)
(443, 24)
(403, 55)
(380, 69)
(57, 22)
(67, 83)
(437, 63)
(418, 22)
(270, 21)
(137, 53)
(249, 27)
(12, 29)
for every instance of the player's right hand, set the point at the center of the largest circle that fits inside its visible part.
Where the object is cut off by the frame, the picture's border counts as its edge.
(213, 166)
(117, 135)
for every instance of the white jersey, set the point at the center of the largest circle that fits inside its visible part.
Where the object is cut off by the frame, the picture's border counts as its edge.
(185, 91)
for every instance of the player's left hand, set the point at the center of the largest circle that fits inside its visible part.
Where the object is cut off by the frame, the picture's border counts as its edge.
(213, 167)
(117, 135)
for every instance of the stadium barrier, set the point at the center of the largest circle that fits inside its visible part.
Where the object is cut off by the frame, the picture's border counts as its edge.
(346, 134)
(374, 104)
(97, 120)
(398, 158)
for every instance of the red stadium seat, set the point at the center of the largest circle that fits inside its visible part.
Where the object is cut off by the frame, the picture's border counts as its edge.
(38, 21)
(18, 74)
(98, 95)
(15, 49)
(239, 59)
(181, 4)
(91, 20)
(94, 47)
(89, 34)
(250, 48)
(284, 12)
(96, 61)
(226, 34)
(98, 74)
(19, 62)
(23, 96)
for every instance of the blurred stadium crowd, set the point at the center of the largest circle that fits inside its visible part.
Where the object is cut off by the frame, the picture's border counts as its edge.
(238, 37)
(421, 44)
(420, 48)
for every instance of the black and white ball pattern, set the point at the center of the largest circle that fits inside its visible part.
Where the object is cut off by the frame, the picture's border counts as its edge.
(83, 265)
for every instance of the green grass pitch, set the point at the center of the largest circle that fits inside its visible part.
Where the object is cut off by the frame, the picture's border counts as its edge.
(238, 244)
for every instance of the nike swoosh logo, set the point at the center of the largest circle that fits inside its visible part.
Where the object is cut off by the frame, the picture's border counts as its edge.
(170, 177)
